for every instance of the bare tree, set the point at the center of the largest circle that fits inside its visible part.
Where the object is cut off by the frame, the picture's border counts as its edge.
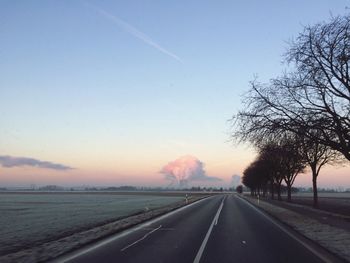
(277, 161)
(256, 177)
(292, 162)
(312, 101)
(269, 154)
(317, 155)
(314, 98)
(321, 56)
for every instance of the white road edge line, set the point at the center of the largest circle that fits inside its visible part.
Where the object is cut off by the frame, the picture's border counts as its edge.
(67, 258)
(307, 246)
(142, 238)
(205, 240)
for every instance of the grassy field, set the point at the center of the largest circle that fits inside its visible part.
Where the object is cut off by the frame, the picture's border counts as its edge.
(31, 218)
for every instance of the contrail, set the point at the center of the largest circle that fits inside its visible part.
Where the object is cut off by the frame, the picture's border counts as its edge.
(134, 32)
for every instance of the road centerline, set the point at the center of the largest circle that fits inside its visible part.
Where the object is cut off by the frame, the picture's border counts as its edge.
(206, 238)
(80, 252)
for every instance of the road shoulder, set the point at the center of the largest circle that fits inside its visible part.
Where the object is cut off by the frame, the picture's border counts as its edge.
(335, 240)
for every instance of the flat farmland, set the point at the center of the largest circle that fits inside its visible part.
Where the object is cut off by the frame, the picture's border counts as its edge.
(344, 195)
(338, 203)
(28, 219)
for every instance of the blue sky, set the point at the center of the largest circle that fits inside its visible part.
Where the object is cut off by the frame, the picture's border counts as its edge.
(123, 87)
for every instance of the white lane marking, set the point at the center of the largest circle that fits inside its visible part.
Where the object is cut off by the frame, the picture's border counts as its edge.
(142, 238)
(205, 240)
(163, 228)
(83, 251)
(222, 203)
(307, 246)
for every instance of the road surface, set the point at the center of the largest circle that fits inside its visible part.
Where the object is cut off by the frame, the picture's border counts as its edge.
(223, 228)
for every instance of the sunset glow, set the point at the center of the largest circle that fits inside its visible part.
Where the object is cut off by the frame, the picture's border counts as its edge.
(135, 93)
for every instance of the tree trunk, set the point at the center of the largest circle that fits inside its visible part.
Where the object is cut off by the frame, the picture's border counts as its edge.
(279, 192)
(264, 191)
(272, 191)
(314, 186)
(289, 189)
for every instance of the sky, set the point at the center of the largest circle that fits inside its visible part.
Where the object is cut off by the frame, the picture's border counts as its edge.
(115, 92)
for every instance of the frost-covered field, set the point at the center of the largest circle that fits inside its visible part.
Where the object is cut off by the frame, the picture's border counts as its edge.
(28, 219)
(321, 194)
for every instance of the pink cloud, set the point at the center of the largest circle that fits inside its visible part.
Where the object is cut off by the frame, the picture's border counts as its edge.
(184, 170)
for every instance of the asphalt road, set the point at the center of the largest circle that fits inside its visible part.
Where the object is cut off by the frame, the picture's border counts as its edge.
(222, 228)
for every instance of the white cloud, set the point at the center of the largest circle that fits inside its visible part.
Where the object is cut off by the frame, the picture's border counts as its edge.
(186, 169)
(9, 161)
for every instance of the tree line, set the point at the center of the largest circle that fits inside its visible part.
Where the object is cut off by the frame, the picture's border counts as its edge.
(300, 119)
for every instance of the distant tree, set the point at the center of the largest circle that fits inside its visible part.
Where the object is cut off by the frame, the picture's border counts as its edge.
(277, 161)
(256, 177)
(269, 154)
(249, 179)
(239, 189)
(194, 188)
(283, 161)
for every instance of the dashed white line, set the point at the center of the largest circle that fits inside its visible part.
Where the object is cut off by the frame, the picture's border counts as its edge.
(97, 245)
(205, 240)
